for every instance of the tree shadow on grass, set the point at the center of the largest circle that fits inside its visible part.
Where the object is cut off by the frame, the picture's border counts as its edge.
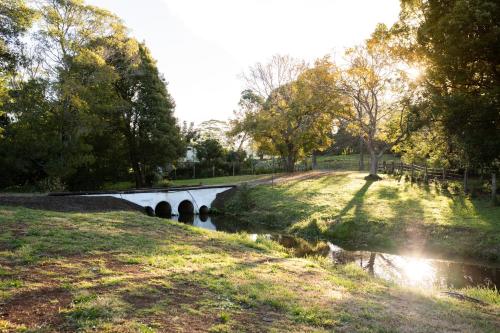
(479, 211)
(388, 193)
(342, 228)
(357, 226)
(356, 202)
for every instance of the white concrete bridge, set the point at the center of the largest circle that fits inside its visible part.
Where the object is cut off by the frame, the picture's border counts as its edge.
(168, 202)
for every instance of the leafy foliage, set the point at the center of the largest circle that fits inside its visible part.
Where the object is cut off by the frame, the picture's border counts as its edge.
(88, 106)
(459, 40)
(296, 117)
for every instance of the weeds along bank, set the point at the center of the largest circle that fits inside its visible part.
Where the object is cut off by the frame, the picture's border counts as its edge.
(387, 215)
(125, 272)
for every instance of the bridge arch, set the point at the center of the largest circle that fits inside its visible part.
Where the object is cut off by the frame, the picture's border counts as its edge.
(150, 211)
(163, 209)
(203, 210)
(186, 207)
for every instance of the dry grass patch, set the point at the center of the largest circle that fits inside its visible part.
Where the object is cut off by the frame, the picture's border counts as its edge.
(125, 272)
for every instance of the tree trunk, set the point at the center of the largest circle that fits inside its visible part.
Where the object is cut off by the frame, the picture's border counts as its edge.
(361, 155)
(373, 164)
(139, 179)
(134, 160)
(494, 188)
(371, 263)
(314, 161)
(290, 157)
(290, 163)
(133, 150)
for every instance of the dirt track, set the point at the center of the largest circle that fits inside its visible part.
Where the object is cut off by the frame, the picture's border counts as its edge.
(281, 178)
(69, 203)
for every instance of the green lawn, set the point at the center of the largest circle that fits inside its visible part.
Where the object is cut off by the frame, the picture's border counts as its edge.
(354, 158)
(218, 180)
(125, 185)
(125, 272)
(349, 162)
(388, 215)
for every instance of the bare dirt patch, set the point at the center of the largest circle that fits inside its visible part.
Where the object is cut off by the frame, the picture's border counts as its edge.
(70, 203)
(36, 308)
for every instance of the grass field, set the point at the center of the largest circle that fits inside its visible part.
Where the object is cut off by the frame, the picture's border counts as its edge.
(349, 162)
(125, 272)
(355, 158)
(218, 180)
(188, 182)
(389, 215)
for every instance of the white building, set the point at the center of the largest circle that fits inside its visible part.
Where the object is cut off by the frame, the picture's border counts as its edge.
(190, 155)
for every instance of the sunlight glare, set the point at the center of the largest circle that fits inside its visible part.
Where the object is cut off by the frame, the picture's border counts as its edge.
(414, 73)
(418, 271)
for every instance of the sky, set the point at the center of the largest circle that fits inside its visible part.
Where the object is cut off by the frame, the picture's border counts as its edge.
(203, 46)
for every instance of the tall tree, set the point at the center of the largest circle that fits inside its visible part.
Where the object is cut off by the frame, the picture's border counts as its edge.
(145, 113)
(209, 150)
(214, 129)
(378, 97)
(460, 40)
(297, 107)
(92, 109)
(240, 127)
(28, 140)
(15, 18)
(68, 30)
(189, 133)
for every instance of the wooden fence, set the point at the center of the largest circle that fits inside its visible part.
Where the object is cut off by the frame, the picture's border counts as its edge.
(437, 174)
(421, 171)
(418, 172)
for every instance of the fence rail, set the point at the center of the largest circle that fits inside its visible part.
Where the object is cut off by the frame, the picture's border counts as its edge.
(338, 165)
(421, 170)
(417, 172)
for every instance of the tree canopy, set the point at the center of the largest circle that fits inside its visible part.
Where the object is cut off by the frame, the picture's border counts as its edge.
(87, 105)
(459, 41)
(288, 109)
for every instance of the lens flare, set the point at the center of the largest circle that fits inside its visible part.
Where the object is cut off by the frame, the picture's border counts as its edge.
(418, 271)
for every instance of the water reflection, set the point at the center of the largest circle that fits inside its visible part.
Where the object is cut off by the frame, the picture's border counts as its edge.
(419, 272)
(403, 270)
(202, 221)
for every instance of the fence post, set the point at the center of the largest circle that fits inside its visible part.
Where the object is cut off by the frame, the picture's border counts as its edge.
(272, 177)
(494, 188)
(465, 180)
(194, 170)
(444, 174)
(233, 168)
(412, 171)
(425, 174)
(384, 164)
(213, 170)
(314, 161)
(392, 167)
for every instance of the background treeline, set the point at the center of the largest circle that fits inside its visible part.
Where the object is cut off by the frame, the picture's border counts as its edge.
(457, 42)
(81, 102)
(426, 88)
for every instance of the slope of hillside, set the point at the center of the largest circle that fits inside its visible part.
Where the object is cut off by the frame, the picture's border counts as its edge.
(126, 272)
